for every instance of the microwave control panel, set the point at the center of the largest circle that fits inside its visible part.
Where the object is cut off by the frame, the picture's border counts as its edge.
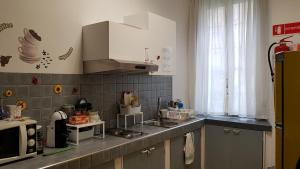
(31, 138)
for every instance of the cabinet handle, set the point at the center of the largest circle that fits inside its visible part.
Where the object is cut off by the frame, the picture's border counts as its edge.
(236, 132)
(227, 130)
(152, 149)
(145, 152)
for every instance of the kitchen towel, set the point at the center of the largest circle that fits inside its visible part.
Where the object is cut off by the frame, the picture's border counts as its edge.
(189, 149)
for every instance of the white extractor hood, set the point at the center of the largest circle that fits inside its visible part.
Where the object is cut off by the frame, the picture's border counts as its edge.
(111, 65)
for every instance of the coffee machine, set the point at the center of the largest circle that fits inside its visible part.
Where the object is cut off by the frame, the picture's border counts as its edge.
(57, 133)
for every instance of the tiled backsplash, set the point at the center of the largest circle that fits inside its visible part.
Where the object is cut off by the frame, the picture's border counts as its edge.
(40, 98)
(103, 91)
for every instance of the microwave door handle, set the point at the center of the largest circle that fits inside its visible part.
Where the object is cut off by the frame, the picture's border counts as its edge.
(23, 140)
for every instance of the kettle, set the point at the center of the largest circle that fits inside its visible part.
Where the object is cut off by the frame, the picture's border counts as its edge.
(57, 132)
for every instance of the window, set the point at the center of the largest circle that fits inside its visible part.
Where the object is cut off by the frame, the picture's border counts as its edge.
(229, 56)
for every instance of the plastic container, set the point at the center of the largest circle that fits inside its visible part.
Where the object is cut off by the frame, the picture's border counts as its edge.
(94, 116)
(164, 113)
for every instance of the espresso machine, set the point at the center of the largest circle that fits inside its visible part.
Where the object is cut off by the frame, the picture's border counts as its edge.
(57, 133)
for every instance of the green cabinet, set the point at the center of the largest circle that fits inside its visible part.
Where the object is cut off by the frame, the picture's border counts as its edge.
(177, 152)
(149, 158)
(232, 148)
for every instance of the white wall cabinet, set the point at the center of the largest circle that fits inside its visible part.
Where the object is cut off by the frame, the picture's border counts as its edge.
(144, 35)
(110, 40)
(161, 39)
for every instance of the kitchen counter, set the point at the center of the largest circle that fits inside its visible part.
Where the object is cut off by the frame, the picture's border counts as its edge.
(104, 150)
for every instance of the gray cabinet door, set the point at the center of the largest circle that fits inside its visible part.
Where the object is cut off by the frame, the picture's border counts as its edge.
(140, 160)
(156, 160)
(247, 149)
(135, 160)
(84, 163)
(177, 152)
(217, 147)
(197, 159)
(108, 165)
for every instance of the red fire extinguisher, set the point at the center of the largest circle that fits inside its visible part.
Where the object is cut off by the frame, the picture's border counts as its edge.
(282, 47)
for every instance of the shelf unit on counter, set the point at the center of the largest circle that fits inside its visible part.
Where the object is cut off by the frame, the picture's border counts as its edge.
(93, 124)
(127, 115)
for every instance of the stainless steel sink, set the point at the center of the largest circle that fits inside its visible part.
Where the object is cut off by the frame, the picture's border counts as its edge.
(161, 123)
(129, 134)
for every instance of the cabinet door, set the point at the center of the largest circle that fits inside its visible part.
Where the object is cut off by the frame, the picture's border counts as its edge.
(141, 160)
(217, 147)
(247, 149)
(108, 165)
(135, 160)
(177, 152)
(197, 143)
(156, 159)
(126, 42)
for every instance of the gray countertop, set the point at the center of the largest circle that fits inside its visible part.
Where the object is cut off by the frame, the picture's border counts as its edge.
(104, 150)
(243, 123)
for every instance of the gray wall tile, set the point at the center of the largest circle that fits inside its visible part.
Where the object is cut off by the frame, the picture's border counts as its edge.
(46, 102)
(111, 78)
(35, 103)
(46, 79)
(35, 91)
(22, 91)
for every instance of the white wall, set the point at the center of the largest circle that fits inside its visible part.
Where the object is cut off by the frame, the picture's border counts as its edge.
(59, 24)
(280, 12)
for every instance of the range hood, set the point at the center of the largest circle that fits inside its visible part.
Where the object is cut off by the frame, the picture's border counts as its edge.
(112, 65)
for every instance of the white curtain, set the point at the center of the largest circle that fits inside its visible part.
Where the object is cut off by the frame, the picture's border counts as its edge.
(228, 57)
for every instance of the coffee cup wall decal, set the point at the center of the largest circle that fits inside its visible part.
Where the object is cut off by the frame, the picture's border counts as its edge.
(65, 56)
(4, 60)
(4, 26)
(28, 51)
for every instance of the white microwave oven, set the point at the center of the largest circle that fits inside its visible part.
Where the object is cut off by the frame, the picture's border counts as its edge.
(17, 140)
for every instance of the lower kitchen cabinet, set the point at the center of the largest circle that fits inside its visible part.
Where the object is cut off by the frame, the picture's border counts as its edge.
(107, 165)
(177, 152)
(232, 148)
(84, 163)
(150, 158)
